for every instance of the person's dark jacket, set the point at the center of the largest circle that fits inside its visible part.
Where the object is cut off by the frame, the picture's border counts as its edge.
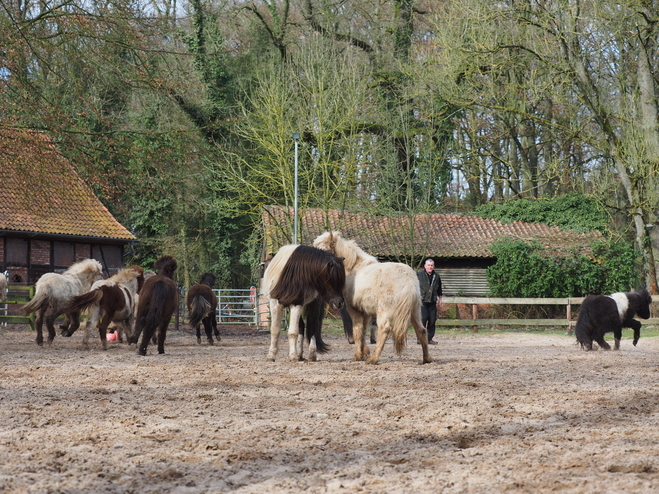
(430, 291)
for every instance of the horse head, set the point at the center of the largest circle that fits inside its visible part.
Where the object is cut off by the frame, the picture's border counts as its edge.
(335, 279)
(644, 301)
(166, 266)
(207, 279)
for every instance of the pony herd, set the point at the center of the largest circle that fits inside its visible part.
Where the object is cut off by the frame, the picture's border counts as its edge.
(305, 279)
(136, 302)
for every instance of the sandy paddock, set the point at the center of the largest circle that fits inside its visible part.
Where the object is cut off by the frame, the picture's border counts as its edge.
(504, 412)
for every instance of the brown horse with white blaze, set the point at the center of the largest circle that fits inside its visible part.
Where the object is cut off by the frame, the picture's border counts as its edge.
(302, 278)
(110, 301)
(157, 302)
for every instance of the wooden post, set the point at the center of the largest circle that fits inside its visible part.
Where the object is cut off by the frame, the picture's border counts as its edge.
(569, 317)
(474, 315)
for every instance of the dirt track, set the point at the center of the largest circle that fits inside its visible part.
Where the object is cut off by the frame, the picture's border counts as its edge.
(507, 412)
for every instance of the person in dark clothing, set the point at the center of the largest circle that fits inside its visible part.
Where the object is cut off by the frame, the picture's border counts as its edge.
(431, 297)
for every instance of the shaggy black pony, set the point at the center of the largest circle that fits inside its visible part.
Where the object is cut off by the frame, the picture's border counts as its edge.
(601, 314)
(202, 308)
(158, 301)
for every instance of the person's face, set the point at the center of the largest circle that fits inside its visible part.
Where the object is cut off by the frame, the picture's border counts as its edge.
(430, 266)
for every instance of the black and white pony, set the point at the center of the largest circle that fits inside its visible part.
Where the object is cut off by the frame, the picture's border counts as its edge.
(601, 314)
(304, 279)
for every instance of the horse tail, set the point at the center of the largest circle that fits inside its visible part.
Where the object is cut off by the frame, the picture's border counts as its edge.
(84, 301)
(200, 307)
(582, 328)
(314, 315)
(406, 311)
(40, 301)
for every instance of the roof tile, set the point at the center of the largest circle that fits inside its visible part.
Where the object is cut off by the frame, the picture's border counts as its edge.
(437, 235)
(40, 192)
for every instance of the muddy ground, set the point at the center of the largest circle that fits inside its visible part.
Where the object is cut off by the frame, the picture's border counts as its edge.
(500, 413)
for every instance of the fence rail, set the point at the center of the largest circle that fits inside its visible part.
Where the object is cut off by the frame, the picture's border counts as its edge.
(244, 307)
(475, 322)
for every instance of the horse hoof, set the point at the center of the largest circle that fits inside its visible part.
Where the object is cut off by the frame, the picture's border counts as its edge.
(372, 362)
(198, 341)
(142, 352)
(65, 333)
(211, 342)
(427, 361)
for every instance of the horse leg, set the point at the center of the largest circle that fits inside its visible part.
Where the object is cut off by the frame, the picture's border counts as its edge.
(92, 321)
(209, 329)
(295, 338)
(359, 325)
(275, 328)
(162, 334)
(214, 325)
(603, 344)
(384, 329)
(50, 324)
(103, 329)
(38, 324)
(617, 335)
(74, 322)
(422, 337)
(198, 329)
(636, 326)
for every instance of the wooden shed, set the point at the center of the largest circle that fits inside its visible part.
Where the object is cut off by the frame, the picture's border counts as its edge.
(459, 244)
(49, 218)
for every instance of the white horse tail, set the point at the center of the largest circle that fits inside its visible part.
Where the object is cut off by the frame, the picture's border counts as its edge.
(40, 300)
(407, 310)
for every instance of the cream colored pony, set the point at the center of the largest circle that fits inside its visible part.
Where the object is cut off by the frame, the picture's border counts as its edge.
(54, 291)
(389, 291)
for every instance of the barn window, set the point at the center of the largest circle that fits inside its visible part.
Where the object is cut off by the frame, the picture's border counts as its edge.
(64, 254)
(16, 254)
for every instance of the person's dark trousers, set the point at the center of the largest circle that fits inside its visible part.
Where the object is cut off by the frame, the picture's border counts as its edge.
(428, 318)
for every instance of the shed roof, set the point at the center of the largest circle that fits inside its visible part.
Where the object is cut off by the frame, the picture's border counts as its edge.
(40, 192)
(436, 235)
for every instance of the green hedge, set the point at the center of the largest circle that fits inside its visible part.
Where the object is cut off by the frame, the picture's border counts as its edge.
(527, 270)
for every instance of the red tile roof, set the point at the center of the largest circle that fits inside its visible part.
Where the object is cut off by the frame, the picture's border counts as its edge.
(40, 192)
(437, 235)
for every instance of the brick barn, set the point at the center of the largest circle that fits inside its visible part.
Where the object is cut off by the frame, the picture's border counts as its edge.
(49, 218)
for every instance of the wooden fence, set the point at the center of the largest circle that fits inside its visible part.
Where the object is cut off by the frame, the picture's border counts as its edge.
(17, 295)
(475, 322)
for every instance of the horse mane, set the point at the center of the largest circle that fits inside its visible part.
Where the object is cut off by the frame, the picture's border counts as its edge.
(127, 275)
(354, 257)
(165, 266)
(308, 272)
(207, 279)
(85, 267)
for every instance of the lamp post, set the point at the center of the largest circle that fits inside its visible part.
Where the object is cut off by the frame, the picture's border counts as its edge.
(296, 137)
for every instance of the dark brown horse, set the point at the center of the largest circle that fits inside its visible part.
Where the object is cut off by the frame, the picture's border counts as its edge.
(302, 278)
(158, 301)
(111, 300)
(202, 307)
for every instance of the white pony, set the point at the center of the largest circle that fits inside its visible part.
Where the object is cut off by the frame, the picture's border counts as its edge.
(54, 291)
(389, 291)
(112, 300)
(302, 278)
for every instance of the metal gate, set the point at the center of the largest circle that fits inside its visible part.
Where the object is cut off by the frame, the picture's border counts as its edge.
(234, 306)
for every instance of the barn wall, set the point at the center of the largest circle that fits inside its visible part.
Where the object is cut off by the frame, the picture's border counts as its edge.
(464, 281)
